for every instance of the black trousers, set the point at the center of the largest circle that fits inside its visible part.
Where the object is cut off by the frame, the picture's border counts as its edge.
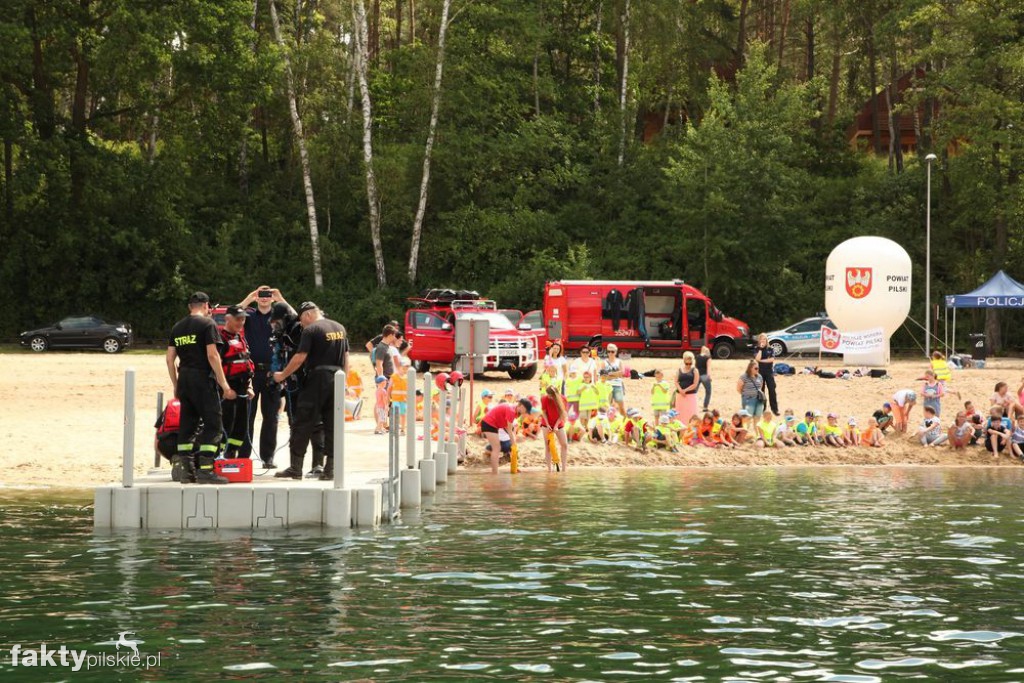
(200, 400)
(236, 421)
(314, 410)
(268, 399)
(769, 387)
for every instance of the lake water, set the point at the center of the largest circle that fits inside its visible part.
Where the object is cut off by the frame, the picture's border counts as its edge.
(851, 575)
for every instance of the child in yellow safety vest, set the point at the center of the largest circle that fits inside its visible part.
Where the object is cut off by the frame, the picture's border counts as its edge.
(590, 399)
(941, 367)
(765, 431)
(616, 422)
(486, 397)
(852, 434)
(636, 429)
(550, 378)
(400, 396)
(661, 395)
(676, 425)
(598, 428)
(573, 385)
(604, 392)
(662, 436)
(834, 433)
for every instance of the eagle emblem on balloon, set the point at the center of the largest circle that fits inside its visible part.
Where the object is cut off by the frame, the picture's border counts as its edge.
(858, 282)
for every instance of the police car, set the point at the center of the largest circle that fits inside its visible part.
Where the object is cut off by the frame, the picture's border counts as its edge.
(803, 337)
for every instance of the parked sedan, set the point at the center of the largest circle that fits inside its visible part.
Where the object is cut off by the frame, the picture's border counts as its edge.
(80, 332)
(803, 337)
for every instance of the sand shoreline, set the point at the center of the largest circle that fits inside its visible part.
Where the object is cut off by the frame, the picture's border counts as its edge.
(62, 418)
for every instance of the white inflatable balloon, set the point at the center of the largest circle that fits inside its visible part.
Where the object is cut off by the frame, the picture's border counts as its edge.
(867, 286)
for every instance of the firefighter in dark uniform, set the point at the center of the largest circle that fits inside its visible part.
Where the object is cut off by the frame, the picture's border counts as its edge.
(323, 350)
(195, 378)
(284, 342)
(238, 370)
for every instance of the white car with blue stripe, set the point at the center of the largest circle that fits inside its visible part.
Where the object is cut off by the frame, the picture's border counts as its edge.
(803, 337)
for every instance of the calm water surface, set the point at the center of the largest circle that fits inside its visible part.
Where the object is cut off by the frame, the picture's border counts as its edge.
(852, 575)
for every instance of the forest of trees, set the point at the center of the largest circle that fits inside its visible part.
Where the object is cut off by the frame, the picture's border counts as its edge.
(357, 151)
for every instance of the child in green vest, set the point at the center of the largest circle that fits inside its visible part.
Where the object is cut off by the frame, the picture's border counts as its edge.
(661, 395)
(573, 384)
(590, 398)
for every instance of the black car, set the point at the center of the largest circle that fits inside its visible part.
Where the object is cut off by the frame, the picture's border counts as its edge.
(80, 332)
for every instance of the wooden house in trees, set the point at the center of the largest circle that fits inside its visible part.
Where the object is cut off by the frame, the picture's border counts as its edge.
(905, 125)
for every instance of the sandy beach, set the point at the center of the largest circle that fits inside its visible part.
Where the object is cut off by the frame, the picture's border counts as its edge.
(62, 416)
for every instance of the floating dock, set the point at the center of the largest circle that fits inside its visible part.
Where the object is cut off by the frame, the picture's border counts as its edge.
(374, 479)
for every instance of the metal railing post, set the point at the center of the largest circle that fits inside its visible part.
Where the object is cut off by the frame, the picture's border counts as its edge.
(410, 420)
(128, 454)
(428, 413)
(159, 412)
(442, 419)
(338, 448)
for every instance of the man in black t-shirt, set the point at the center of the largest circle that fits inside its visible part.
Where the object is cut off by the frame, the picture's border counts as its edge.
(195, 378)
(383, 363)
(323, 349)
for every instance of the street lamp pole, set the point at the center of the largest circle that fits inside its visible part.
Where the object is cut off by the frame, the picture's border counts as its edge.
(928, 260)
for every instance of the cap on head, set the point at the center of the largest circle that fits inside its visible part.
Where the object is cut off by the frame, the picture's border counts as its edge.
(833, 416)
(307, 306)
(509, 392)
(199, 298)
(887, 405)
(673, 413)
(486, 393)
(633, 412)
(236, 311)
(663, 420)
(852, 422)
(809, 413)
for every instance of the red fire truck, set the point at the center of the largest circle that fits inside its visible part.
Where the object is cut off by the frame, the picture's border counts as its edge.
(430, 327)
(655, 317)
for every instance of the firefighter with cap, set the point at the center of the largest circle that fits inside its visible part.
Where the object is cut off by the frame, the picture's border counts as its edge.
(194, 366)
(323, 350)
(284, 341)
(238, 369)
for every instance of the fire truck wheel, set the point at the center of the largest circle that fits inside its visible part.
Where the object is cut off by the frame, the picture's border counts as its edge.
(723, 349)
(524, 374)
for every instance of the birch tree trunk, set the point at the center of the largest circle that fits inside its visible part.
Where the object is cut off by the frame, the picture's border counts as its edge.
(597, 58)
(435, 104)
(372, 196)
(307, 180)
(623, 87)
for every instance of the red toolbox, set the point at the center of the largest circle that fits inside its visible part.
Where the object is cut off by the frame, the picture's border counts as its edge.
(235, 470)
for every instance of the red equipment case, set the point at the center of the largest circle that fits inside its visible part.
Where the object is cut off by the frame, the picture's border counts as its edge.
(235, 470)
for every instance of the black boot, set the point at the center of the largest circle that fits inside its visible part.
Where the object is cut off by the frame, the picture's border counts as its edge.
(205, 473)
(328, 471)
(183, 469)
(293, 471)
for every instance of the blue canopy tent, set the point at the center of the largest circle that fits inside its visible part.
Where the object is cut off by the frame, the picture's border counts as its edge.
(1001, 291)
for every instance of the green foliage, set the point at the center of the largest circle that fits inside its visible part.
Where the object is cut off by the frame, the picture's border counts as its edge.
(176, 168)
